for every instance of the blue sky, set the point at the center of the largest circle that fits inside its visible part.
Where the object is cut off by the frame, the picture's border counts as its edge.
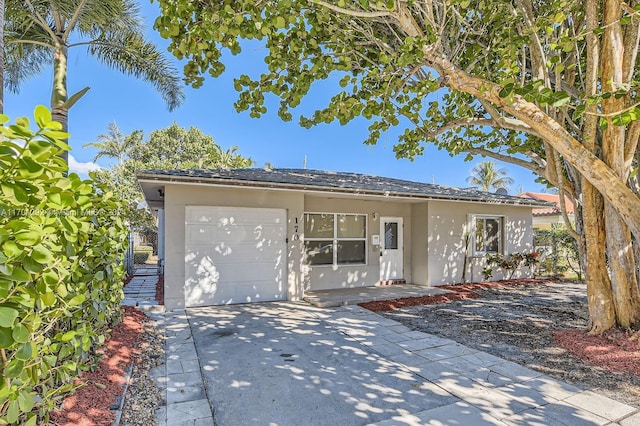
(134, 104)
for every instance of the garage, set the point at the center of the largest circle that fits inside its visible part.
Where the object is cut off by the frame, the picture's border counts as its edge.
(234, 255)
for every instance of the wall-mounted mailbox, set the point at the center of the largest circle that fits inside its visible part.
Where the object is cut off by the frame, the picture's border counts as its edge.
(375, 240)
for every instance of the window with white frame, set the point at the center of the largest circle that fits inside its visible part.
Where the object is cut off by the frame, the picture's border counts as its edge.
(488, 234)
(335, 238)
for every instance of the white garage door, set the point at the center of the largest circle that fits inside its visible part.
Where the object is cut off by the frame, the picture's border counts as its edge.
(234, 255)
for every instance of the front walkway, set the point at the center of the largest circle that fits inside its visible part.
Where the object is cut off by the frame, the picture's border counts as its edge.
(184, 402)
(141, 290)
(355, 295)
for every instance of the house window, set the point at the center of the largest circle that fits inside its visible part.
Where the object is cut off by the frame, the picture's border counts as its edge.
(335, 239)
(488, 234)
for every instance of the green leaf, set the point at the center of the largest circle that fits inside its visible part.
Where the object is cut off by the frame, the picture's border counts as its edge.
(62, 290)
(7, 316)
(25, 352)
(19, 275)
(28, 237)
(42, 115)
(15, 191)
(32, 420)
(26, 401)
(50, 277)
(11, 249)
(13, 412)
(506, 90)
(29, 169)
(77, 300)
(41, 254)
(6, 337)
(559, 99)
(48, 299)
(68, 336)
(14, 368)
(280, 22)
(580, 109)
(20, 334)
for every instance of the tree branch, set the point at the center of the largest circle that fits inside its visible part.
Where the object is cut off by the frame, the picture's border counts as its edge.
(349, 12)
(631, 142)
(37, 43)
(631, 38)
(74, 19)
(530, 165)
(563, 204)
(40, 20)
(535, 46)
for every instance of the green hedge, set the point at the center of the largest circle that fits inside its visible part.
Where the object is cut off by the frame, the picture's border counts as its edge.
(62, 246)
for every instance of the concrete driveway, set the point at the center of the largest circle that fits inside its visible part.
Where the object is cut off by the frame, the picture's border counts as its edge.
(287, 363)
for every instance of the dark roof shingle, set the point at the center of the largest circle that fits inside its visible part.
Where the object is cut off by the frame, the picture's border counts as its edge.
(332, 182)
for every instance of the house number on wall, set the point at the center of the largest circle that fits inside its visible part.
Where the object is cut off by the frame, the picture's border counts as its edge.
(296, 228)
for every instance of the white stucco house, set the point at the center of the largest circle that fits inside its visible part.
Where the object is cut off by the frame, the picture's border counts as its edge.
(251, 235)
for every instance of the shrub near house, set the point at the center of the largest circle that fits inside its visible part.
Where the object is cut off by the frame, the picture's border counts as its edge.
(61, 270)
(510, 264)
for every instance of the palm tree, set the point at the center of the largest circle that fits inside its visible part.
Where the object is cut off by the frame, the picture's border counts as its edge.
(486, 176)
(114, 144)
(41, 32)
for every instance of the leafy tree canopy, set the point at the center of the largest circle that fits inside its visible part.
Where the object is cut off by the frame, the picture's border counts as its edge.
(504, 79)
(171, 148)
(549, 85)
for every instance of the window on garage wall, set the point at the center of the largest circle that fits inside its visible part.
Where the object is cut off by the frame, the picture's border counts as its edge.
(335, 238)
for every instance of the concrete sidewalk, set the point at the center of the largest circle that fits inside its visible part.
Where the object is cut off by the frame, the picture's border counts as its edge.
(185, 401)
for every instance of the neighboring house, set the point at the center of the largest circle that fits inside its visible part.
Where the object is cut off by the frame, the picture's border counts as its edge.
(545, 218)
(251, 235)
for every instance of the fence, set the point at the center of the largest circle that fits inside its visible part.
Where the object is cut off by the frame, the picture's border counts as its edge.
(558, 253)
(128, 257)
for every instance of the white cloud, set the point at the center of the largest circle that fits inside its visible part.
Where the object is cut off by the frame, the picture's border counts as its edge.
(81, 168)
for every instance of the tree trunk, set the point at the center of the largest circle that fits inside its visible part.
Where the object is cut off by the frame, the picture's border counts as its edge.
(619, 248)
(599, 295)
(59, 111)
(624, 283)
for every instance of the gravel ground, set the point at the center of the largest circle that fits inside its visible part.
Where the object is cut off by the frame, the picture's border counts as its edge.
(143, 396)
(518, 323)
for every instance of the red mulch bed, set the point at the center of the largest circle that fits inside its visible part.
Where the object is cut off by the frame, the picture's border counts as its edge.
(617, 351)
(457, 292)
(160, 290)
(89, 405)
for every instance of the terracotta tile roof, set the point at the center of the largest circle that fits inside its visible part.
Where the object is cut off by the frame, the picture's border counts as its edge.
(550, 198)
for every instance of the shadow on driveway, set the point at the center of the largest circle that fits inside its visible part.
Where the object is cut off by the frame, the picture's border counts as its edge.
(279, 363)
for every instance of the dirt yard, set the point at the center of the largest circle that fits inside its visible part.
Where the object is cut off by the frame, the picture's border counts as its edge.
(534, 325)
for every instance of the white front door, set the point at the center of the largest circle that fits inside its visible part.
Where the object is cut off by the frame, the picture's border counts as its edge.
(391, 248)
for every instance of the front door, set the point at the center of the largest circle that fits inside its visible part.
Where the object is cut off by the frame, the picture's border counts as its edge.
(391, 248)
